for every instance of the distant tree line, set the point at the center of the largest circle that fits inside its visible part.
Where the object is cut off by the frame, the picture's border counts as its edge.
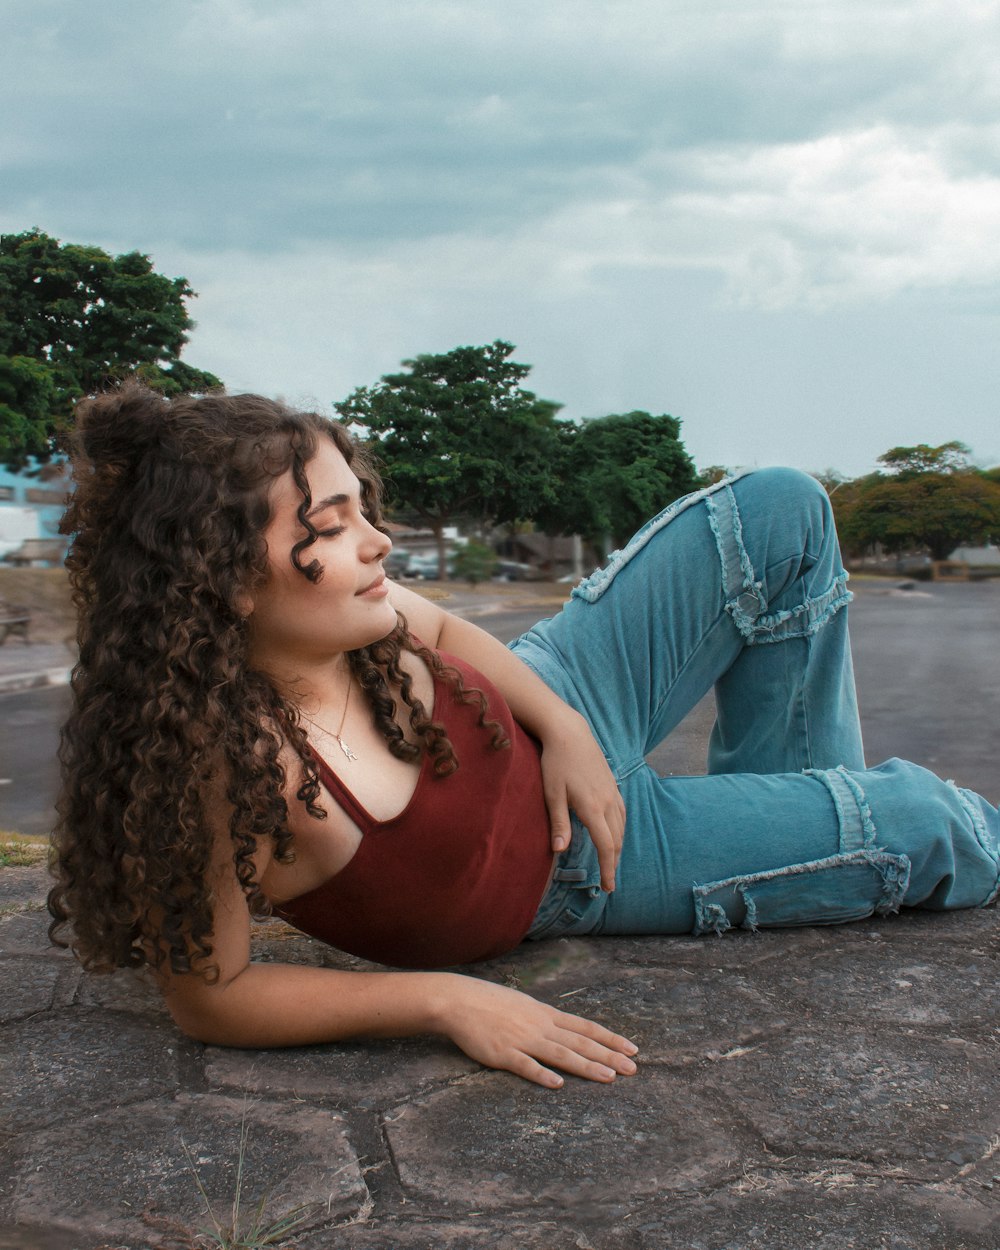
(459, 437)
(925, 499)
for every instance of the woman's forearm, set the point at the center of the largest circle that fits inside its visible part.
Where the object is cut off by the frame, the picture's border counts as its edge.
(534, 705)
(268, 1005)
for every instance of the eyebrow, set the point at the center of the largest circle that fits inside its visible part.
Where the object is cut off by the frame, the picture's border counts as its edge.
(331, 501)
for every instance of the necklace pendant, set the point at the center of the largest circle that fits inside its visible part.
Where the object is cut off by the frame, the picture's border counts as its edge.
(345, 748)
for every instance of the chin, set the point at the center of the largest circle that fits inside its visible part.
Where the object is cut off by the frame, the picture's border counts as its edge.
(381, 629)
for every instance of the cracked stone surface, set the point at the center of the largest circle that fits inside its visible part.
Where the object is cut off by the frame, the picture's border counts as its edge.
(135, 1176)
(808, 1089)
(884, 1096)
(73, 1062)
(638, 1138)
(835, 1087)
(375, 1074)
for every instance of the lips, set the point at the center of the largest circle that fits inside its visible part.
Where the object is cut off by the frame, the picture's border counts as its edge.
(375, 585)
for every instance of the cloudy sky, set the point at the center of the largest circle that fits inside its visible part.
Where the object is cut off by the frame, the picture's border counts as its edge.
(778, 221)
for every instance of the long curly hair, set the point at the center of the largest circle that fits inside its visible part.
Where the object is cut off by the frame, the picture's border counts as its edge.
(171, 501)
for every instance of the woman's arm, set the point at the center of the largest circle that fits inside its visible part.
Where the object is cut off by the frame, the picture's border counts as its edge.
(266, 1005)
(269, 1005)
(575, 773)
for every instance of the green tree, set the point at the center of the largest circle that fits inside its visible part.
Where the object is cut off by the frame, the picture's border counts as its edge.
(617, 472)
(73, 318)
(931, 499)
(27, 400)
(712, 474)
(474, 562)
(950, 457)
(459, 437)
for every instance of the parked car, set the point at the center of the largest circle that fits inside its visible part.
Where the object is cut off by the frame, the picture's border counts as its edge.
(426, 566)
(514, 571)
(396, 561)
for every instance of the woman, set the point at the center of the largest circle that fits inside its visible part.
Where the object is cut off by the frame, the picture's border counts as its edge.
(263, 722)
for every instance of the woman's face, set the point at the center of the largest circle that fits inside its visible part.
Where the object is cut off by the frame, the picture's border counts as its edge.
(295, 620)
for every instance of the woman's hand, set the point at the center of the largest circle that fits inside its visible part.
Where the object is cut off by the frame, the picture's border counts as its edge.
(503, 1028)
(576, 775)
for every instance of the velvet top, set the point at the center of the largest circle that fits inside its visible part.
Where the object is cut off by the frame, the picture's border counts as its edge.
(459, 874)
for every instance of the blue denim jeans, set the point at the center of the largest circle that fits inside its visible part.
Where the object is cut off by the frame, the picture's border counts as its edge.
(741, 587)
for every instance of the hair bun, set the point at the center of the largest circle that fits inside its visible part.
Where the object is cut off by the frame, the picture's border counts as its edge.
(116, 428)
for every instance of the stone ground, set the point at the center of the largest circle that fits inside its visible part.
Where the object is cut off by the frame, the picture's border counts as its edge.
(831, 1088)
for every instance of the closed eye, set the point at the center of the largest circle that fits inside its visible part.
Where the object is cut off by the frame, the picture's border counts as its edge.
(332, 532)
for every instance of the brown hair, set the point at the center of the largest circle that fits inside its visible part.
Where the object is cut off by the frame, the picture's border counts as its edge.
(168, 516)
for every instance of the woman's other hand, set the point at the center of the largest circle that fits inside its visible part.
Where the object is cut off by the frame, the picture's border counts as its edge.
(576, 775)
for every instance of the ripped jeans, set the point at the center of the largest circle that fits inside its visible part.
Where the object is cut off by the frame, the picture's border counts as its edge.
(741, 586)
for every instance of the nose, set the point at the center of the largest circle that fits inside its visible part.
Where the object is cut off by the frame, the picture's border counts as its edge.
(379, 544)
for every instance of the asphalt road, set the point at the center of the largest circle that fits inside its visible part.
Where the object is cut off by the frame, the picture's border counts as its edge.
(29, 772)
(928, 678)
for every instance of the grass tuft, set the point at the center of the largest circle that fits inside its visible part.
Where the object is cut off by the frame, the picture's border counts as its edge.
(246, 1230)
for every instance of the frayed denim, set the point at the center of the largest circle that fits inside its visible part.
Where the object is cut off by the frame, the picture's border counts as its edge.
(741, 587)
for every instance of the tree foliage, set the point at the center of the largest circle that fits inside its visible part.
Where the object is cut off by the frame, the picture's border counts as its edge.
(952, 457)
(72, 319)
(932, 499)
(617, 472)
(475, 562)
(459, 437)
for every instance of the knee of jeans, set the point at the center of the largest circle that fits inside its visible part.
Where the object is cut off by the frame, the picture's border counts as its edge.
(593, 587)
(783, 490)
(756, 592)
(863, 877)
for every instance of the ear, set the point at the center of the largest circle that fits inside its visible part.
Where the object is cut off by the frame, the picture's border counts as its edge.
(244, 604)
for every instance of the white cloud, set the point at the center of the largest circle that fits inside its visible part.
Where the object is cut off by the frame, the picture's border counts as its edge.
(838, 220)
(638, 192)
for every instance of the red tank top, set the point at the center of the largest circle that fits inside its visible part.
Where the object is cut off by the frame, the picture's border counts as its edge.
(459, 874)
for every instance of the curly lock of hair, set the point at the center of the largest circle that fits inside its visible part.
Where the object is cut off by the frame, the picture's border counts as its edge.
(167, 520)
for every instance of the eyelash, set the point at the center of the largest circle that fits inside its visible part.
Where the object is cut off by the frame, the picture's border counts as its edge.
(331, 533)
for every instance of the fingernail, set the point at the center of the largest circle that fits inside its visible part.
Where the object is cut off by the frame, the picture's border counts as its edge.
(628, 1067)
(560, 844)
(630, 1048)
(610, 1073)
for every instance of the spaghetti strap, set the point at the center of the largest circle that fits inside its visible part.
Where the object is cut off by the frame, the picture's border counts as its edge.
(361, 817)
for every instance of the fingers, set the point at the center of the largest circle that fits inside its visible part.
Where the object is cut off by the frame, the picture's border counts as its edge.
(586, 1049)
(532, 1070)
(569, 1060)
(608, 836)
(597, 1034)
(607, 857)
(578, 1055)
(559, 825)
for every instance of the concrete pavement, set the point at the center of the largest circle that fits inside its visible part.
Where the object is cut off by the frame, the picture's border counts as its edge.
(24, 666)
(830, 1088)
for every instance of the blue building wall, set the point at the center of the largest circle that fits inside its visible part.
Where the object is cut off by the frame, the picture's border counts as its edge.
(41, 487)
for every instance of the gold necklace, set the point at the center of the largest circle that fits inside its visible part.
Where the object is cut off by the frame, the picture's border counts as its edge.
(340, 741)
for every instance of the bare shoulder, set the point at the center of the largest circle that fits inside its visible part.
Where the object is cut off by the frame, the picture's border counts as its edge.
(424, 618)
